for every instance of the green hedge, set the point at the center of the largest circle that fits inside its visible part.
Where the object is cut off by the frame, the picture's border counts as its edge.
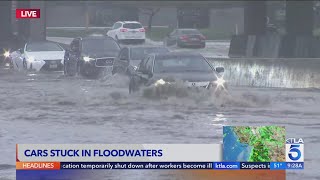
(156, 34)
(73, 32)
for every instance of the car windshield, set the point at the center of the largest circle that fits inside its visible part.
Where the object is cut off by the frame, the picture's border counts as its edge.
(189, 31)
(140, 52)
(99, 45)
(43, 46)
(132, 25)
(185, 63)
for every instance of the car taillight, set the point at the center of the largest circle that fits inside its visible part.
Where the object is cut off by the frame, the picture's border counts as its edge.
(202, 37)
(123, 30)
(142, 30)
(183, 37)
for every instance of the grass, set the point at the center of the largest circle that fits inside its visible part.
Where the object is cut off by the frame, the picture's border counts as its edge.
(72, 33)
(157, 33)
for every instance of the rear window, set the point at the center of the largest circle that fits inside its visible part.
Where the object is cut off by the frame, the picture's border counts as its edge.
(132, 25)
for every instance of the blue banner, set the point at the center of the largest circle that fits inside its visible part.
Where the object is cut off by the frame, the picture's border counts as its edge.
(278, 165)
(295, 165)
(226, 165)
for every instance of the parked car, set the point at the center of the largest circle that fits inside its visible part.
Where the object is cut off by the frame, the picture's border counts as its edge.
(127, 31)
(38, 56)
(129, 57)
(90, 56)
(191, 68)
(185, 38)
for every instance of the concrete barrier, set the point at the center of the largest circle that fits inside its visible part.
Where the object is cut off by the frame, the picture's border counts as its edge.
(267, 72)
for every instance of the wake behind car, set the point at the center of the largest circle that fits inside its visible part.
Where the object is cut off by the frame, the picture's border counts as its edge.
(90, 56)
(128, 31)
(185, 38)
(190, 68)
(130, 57)
(38, 56)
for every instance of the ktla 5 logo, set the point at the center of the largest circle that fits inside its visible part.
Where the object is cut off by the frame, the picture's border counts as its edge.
(294, 150)
(28, 13)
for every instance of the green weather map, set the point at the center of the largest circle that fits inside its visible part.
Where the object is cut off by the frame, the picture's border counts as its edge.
(263, 143)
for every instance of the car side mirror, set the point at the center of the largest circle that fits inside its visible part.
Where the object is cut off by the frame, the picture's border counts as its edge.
(219, 69)
(20, 51)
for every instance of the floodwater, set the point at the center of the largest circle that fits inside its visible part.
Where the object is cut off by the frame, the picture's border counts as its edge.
(50, 108)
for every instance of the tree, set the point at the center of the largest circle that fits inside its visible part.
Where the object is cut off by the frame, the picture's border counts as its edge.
(150, 12)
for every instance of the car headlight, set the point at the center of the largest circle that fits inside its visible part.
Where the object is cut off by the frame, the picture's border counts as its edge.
(220, 82)
(6, 54)
(87, 59)
(160, 82)
(31, 59)
(135, 67)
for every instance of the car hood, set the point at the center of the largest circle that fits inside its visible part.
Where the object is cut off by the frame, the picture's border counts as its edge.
(187, 76)
(101, 54)
(46, 55)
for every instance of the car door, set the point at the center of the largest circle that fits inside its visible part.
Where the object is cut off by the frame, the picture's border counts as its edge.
(17, 58)
(122, 61)
(149, 66)
(145, 68)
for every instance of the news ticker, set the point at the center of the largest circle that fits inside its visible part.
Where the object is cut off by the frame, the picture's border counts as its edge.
(160, 165)
(143, 156)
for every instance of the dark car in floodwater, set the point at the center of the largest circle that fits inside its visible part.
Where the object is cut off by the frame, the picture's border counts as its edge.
(192, 69)
(185, 38)
(130, 57)
(90, 56)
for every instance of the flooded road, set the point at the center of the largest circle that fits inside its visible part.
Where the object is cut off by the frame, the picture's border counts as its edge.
(49, 108)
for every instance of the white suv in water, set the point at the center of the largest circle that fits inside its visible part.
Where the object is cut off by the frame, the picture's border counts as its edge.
(131, 31)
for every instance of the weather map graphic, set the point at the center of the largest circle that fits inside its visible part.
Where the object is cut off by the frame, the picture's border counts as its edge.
(254, 144)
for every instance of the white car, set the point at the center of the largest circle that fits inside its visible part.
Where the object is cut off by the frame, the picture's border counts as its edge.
(39, 55)
(128, 31)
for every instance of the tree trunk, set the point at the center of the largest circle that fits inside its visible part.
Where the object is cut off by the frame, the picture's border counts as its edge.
(150, 23)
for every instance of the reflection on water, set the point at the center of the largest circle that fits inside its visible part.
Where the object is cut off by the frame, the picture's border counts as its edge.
(283, 73)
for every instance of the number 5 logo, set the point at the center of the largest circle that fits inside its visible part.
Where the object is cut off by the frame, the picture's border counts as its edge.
(295, 149)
